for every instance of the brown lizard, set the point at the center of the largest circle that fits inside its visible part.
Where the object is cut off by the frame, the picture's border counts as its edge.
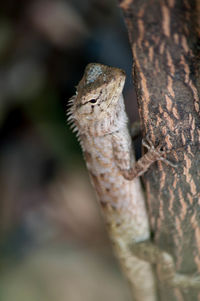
(98, 115)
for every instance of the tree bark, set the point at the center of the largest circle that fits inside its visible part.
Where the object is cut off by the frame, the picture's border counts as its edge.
(164, 37)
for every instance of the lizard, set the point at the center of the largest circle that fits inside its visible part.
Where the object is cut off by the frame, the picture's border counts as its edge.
(97, 113)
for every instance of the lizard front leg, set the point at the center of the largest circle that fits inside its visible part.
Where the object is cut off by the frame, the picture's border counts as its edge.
(138, 168)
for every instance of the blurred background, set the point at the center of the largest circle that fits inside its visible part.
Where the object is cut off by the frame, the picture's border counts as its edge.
(53, 244)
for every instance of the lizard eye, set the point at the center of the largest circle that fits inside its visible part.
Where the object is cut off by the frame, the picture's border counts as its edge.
(93, 100)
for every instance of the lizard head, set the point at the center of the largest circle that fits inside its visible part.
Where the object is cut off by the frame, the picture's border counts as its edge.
(98, 93)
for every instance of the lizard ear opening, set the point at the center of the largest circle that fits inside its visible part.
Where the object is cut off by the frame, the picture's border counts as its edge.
(93, 100)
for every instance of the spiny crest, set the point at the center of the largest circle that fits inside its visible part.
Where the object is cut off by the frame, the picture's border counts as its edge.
(70, 107)
(70, 116)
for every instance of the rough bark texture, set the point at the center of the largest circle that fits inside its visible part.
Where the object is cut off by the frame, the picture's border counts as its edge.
(165, 46)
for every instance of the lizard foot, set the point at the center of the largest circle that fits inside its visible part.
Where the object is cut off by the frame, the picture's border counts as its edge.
(185, 281)
(159, 151)
(149, 252)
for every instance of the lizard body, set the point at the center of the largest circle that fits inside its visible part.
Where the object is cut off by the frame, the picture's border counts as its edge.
(99, 116)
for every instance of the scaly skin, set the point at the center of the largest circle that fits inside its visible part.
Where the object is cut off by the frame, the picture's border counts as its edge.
(99, 116)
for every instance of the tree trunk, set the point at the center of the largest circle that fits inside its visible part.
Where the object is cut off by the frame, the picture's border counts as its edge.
(166, 55)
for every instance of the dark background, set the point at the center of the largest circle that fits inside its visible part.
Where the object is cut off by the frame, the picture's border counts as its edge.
(53, 245)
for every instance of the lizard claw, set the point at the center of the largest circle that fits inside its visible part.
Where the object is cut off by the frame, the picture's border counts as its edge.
(147, 142)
